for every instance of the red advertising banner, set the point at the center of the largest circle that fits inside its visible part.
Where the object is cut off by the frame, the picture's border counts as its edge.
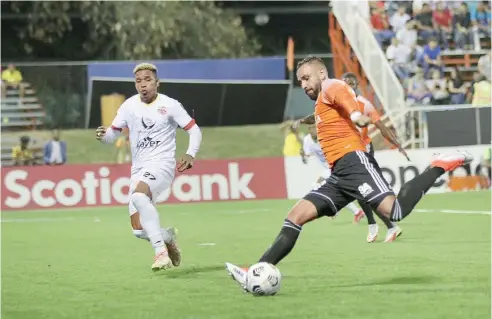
(97, 184)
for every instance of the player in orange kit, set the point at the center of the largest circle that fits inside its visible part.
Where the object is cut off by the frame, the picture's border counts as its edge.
(355, 173)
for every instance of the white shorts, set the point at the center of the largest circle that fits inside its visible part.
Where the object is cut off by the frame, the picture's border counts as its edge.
(158, 176)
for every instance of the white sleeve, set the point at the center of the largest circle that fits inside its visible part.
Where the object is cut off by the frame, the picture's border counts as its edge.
(306, 146)
(119, 122)
(121, 119)
(184, 120)
(181, 117)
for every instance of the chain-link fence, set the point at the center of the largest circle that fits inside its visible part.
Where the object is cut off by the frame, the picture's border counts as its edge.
(61, 90)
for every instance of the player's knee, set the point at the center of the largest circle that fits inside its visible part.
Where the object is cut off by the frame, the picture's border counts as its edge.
(303, 212)
(386, 205)
(143, 188)
(138, 198)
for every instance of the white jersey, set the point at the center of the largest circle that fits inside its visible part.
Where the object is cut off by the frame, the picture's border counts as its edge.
(312, 147)
(152, 128)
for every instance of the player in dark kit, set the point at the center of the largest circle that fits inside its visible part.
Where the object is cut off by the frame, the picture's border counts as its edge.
(355, 173)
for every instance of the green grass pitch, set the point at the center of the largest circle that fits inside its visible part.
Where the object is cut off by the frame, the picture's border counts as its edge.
(85, 263)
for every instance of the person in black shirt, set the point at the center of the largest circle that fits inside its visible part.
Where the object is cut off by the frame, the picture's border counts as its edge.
(463, 35)
(424, 23)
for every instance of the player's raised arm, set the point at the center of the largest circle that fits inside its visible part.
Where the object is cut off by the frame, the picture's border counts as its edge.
(184, 120)
(372, 113)
(344, 97)
(110, 134)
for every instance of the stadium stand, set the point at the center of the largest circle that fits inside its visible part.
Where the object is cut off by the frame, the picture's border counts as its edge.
(35, 146)
(21, 113)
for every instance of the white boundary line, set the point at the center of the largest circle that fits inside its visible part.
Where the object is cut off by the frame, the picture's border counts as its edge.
(454, 211)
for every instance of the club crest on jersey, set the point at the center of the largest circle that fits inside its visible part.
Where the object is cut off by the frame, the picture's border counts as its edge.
(162, 110)
(365, 189)
(148, 123)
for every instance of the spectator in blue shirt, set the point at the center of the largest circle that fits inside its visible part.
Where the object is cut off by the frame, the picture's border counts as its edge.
(55, 151)
(431, 58)
(480, 17)
(463, 35)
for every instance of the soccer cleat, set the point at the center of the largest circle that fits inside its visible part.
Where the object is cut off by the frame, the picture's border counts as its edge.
(162, 261)
(172, 247)
(450, 161)
(373, 233)
(392, 234)
(357, 217)
(240, 275)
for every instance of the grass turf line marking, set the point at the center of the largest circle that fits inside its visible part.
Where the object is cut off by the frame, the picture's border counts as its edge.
(206, 244)
(453, 211)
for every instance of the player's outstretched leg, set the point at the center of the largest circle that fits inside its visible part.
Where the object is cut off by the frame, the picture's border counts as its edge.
(412, 191)
(149, 219)
(303, 212)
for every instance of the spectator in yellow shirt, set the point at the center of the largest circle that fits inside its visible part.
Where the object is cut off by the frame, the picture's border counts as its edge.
(123, 151)
(292, 141)
(21, 155)
(11, 77)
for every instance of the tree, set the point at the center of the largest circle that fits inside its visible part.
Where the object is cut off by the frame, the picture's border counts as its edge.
(134, 30)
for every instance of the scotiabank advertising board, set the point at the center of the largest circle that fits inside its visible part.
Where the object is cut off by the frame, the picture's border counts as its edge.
(396, 169)
(98, 185)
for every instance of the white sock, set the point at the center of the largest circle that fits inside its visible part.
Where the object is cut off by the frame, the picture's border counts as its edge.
(353, 208)
(373, 228)
(149, 219)
(140, 233)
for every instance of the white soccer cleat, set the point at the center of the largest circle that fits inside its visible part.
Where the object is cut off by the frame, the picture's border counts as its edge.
(162, 262)
(452, 160)
(393, 233)
(172, 247)
(373, 233)
(239, 274)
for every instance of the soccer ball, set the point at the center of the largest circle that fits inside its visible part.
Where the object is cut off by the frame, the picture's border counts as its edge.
(263, 279)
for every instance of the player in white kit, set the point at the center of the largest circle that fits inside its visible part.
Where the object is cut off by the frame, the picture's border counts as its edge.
(152, 119)
(312, 147)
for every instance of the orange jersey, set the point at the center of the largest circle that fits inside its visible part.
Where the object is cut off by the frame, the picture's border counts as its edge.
(366, 108)
(337, 134)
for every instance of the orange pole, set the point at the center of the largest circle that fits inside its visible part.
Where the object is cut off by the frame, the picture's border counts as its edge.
(290, 54)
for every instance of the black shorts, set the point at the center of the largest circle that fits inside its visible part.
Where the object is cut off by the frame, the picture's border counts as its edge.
(354, 176)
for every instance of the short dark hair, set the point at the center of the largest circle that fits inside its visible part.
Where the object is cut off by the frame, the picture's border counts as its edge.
(310, 59)
(349, 75)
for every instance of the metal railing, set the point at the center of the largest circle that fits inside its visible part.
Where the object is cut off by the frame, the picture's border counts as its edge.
(372, 58)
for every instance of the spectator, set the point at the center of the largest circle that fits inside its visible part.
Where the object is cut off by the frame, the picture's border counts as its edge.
(21, 155)
(293, 140)
(441, 19)
(380, 26)
(437, 86)
(431, 58)
(55, 151)
(12, 78)
(457, 87)
(408, 37)
(481, 18)
(484, 65)
(481, 92)
(418, 93)
(399, 57)
(399, 19)
(424, 22)
(463, 35)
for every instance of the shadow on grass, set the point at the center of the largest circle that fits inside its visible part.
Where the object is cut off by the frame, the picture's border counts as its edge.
(190, 271)
(407, 280)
